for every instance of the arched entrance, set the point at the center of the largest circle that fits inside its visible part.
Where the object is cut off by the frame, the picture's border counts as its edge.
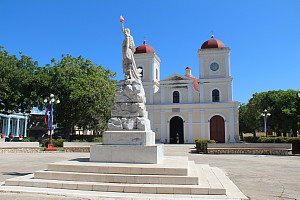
(176, 131)
(217, 129)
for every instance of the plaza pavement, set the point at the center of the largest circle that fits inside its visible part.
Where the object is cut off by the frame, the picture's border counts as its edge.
(257, 176)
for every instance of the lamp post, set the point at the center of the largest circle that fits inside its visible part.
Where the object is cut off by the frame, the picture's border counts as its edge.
(265, 114)
(51, 100)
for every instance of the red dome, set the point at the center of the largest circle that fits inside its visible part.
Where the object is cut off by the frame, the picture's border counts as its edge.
(144, 48)
(212, 43)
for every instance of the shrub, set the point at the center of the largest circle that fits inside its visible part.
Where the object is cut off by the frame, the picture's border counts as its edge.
(97, 139)
(88, 138)
(268, 140)
(295, 144)
(277, 139)
(83, 140)
(201, 145)
(26, 140)
(56, 143)
(294, 140)
(251, 139)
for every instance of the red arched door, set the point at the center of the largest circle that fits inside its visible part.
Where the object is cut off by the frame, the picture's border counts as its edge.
(217, 129)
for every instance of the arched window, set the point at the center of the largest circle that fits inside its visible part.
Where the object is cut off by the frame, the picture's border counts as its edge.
(215, 95)
(156, 72)
(140, 71)
(175, 97)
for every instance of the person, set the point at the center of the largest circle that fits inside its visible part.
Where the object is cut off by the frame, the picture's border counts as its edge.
(128, 49)
(177, 138)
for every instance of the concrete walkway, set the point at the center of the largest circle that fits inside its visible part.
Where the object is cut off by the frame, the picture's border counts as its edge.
(257, 176)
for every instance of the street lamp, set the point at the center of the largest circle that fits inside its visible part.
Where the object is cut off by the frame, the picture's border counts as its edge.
(265, 114)
(49, 112)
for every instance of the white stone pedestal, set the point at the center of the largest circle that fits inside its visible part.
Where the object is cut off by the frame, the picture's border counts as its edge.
(128, 138)
(127, 153)
(127, 147)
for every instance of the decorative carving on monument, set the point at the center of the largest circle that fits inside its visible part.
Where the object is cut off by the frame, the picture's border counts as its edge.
(129, 111)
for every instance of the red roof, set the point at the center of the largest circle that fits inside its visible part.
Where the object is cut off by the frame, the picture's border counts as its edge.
(212, 43)
(195, 82)
(144, 48)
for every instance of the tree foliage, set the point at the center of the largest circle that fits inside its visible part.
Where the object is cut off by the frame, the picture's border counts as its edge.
(17, 78)
(85, 89)
(284, 107)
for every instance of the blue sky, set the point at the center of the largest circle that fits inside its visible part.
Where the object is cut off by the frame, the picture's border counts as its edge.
(263, 35)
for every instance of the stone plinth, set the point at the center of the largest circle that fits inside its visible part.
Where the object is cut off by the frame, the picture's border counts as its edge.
(127, 153)
(128, 138)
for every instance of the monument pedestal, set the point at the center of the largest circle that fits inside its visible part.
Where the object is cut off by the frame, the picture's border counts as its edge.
(127, 153)
(127, 147)
(128, 138)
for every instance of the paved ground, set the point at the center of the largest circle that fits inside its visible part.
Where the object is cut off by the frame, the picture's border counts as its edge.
(257, 176)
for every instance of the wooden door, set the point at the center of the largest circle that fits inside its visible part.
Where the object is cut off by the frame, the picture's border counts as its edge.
(217, 129)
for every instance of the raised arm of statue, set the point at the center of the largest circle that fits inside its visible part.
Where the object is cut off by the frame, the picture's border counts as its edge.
(123, 28)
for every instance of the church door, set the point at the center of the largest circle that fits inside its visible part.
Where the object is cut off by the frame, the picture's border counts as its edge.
(217, 129)
(176, 131)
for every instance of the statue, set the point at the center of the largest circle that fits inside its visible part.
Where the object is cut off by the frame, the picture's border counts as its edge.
(129, 111)
(128, 48)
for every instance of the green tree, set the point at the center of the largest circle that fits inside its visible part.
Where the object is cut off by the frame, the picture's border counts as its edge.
(284, 107)
(247, 120)
(85, 89)
(17, 75)
(86, 92)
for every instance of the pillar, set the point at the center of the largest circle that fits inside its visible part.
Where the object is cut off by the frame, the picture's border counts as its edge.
(25, 127)
(232, 139)
(151, 95)
(18, 127)
(162, 95)
(202, 125)
(190, 124)
(3, 125)
(201, 93)
(162, 127)
(190, 94)
(7, 127)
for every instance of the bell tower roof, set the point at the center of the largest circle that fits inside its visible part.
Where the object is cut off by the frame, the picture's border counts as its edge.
(212, 43)
(144, 48)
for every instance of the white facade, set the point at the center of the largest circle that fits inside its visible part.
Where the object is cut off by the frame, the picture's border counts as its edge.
(183, 108)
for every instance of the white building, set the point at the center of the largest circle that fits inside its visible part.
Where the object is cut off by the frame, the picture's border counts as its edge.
(185, 107)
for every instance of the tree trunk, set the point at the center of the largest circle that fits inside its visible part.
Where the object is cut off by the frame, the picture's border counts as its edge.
(67, 131)
(294, 132)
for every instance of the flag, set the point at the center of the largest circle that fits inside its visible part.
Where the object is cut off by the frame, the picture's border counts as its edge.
(48, 117)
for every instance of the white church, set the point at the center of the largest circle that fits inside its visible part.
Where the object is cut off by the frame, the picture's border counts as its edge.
(183, 108)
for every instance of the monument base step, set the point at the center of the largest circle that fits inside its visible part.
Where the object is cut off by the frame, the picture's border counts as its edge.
(175, 175)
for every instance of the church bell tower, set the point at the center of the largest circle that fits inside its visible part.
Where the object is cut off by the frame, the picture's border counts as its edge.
(214, 72)
(149, 63)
